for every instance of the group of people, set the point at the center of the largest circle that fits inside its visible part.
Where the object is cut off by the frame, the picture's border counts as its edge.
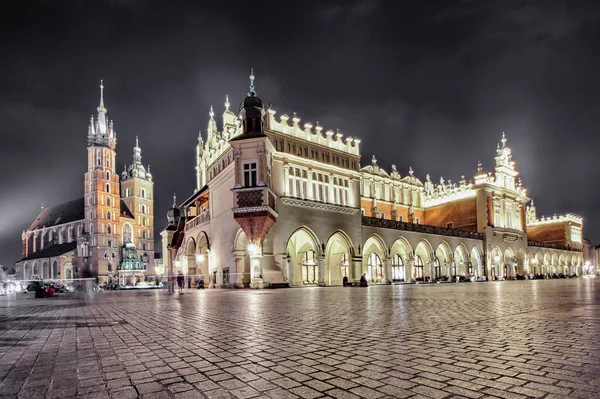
(180, 280)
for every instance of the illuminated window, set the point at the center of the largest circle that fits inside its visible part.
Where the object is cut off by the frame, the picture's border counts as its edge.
(345, 265)
(250, 174)
(127, 192)
(374, 267)
(310, 268)
(418, 272)
(397, 268)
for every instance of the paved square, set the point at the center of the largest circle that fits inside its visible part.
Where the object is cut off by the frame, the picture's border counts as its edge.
(514, 339)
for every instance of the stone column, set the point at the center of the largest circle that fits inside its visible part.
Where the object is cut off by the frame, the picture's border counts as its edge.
(408, 271)
(261, 166)
(238, 281)
(321, 262)
(357, 269)
(387, 266)
(288, 268)
(331, 194)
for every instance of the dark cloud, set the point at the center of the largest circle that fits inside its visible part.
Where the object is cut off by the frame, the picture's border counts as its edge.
(430, 85)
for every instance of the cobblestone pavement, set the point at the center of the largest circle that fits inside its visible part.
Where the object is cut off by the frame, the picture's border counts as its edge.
(513, 339)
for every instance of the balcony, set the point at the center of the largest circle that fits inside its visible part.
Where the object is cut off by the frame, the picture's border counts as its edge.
(419, 228)
(550, 245)
(201, 218)
(254, 199)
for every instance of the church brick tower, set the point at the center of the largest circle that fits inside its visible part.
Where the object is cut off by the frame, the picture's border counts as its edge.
(102, 197)
(137, 191)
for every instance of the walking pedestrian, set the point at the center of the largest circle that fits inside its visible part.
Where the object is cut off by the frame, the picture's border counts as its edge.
(180, 281)
(189, 281)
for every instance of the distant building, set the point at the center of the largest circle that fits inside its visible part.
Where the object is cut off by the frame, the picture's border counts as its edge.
(109, 232)
(278, 203)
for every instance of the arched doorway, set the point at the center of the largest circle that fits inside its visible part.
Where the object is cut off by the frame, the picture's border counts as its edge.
(476, 263)
(302, 251)
(338, 256)
(422, 267)
(495, 263)
(401, 252)
(442, 254)
(242, 276)
(374, 256)
(460, 262)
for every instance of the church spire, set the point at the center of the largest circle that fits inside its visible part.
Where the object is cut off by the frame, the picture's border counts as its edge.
(252, 92)
(101, 106)
(137, 153)
(174, 200)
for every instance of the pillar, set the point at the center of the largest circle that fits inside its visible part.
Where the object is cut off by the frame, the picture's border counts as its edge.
(408, 271)
(309, 188)
(356, 268)
(387, 266)
(321, 262)
(288, 268)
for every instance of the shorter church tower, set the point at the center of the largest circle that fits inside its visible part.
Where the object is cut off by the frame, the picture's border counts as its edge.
(137, 192)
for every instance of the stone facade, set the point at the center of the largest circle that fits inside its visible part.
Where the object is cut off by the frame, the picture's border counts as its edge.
(279, 203)
(106, 235)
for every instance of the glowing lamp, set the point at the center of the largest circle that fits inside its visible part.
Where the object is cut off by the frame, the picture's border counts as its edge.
(497, 258)
(252, 249)
(177, 263)
(199, 258)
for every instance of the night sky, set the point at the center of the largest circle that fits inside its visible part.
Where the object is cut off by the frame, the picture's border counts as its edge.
(430, 85)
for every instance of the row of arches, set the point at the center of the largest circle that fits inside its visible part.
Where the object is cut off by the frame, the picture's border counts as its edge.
(46, 270)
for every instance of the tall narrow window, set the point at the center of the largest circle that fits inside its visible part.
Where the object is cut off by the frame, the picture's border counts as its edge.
(107, 188)
(143, 208)
(108, 176)
(108, 215)
(143, 193)
(107, 201)
(250, 174)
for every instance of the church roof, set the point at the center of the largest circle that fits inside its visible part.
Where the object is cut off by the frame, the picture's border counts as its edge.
(68, 212)
(52, 251)
(59, 214)
(125, 211)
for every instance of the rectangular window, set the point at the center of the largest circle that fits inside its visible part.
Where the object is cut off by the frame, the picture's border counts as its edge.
(399, 218)
(450, 225)
(417, 221)
(250, 174)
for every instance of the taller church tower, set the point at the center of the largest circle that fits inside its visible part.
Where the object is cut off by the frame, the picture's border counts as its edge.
(102, 200)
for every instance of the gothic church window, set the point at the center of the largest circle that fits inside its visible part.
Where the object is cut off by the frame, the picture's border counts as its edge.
(143, 193)
(108, 215)
(109, 229)
(127, 233)
(107, 188)
(108, 176)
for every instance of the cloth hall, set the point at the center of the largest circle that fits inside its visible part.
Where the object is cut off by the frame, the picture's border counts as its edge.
(280, 203)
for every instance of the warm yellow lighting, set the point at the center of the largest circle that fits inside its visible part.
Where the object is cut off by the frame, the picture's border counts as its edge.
(199, 258)
(252, 249)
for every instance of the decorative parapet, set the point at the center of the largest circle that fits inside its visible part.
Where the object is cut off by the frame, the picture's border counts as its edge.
(419, 228)
(569, 217)
(330, 139)
(549, 245)
(201, 218)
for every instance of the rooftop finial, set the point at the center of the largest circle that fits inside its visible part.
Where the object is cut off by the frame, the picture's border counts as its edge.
(374, 160)
(211, 113)
(503, 140)
(101, 106)
(227, 102)
(137, 143)
(479, 166)
(252, 93)
(410, 170)
(174, 200)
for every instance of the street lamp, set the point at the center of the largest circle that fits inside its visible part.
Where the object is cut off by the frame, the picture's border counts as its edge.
(199, 258)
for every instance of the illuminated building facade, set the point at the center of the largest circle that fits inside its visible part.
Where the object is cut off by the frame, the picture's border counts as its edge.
(279, 203)
(109, 232)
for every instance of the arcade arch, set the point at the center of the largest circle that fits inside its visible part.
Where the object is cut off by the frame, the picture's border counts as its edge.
(338, 258)
(302, 252)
